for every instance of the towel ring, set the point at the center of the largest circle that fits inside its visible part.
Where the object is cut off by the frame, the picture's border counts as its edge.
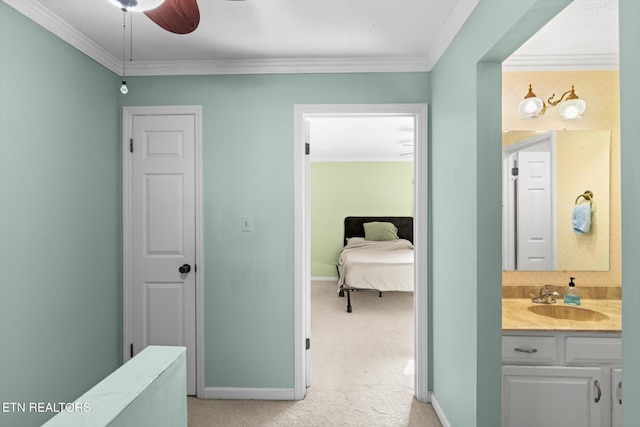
(587, 195)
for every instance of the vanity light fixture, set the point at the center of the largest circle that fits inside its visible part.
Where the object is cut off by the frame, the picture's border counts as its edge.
(532, 107)
(572, 108)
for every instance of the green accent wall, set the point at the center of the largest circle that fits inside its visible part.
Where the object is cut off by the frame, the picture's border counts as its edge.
(341, 189)
(465, 205)
(248, 170)
(630, 153)
(60, 286)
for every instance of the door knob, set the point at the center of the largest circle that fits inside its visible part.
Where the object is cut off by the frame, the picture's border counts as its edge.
(184, 269)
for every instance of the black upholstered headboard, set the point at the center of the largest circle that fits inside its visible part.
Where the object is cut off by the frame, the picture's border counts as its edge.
(354, 225)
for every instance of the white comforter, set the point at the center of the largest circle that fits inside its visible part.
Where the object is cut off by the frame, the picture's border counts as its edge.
(385, 266)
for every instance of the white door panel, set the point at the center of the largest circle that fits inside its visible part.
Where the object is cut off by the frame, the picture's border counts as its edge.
(164, 304)
(163, 228)
(535, 248)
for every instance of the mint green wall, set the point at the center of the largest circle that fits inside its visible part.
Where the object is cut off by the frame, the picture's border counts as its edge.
(344, 189)
(162, 403)
(149, 390)
(465, 208)
(60, 287)
(630, 149)
(248, 170)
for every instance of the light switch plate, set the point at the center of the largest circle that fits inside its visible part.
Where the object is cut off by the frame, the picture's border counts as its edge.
(246, 223)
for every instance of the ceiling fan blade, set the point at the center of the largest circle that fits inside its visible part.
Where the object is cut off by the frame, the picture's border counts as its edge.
(176, 16)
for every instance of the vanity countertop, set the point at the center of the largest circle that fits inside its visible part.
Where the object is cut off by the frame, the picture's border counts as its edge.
(517, 317)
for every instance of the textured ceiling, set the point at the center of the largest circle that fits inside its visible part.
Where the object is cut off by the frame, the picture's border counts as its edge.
(398, 34)
(364, 138)
(583, 36)
(264, 36)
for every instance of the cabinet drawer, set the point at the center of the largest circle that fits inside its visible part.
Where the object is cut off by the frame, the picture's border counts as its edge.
(528, 349)
(594, 350)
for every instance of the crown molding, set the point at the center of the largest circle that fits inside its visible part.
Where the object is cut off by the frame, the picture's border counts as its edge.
(456, 20)
(561, 62)
(278, 66)
(44, 17)
(53, 23)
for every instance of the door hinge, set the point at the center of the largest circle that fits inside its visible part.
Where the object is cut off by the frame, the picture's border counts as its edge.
(308, 343)
(307, 148)
(514, 171)
(131, 350)
(131, 145)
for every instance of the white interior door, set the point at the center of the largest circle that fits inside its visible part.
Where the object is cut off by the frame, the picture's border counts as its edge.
(534, 224)
(163, 245)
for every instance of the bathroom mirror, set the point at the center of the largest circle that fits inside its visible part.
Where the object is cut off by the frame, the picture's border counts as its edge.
(545, 175)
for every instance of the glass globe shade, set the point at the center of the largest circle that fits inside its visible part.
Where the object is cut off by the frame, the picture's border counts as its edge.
(530, 108)
(572, 109)
(137, 5)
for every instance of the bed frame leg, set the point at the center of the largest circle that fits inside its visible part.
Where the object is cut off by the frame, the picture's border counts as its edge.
(341, 293)
(379, 294)
(348, 302)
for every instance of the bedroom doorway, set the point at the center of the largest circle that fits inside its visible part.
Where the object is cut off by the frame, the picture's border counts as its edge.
(304, 115)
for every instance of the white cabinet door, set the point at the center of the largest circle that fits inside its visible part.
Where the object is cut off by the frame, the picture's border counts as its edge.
(551, 396)
(616, 398)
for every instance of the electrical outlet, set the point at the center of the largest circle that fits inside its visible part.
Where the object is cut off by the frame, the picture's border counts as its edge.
(246, 223)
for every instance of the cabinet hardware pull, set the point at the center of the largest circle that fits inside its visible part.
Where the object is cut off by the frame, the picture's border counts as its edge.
(597, 386)
(526, 350)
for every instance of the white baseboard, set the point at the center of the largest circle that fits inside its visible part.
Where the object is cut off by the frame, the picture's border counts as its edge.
(439, 412)
(242, 393)
(324, 279)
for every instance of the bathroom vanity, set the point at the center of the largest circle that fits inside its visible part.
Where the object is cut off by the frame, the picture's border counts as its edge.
(561, 365)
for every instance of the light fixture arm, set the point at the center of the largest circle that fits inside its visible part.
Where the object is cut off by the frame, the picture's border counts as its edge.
(572, 95)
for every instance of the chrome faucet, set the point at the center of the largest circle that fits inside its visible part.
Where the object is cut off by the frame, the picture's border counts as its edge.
(546, 296)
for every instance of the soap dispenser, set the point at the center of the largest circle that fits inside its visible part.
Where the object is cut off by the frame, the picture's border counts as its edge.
(571, 295)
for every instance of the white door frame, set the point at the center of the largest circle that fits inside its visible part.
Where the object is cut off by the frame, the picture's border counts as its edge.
(302, 248)
(127, 221)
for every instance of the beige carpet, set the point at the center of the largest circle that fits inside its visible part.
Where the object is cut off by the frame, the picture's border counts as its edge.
(361, 370)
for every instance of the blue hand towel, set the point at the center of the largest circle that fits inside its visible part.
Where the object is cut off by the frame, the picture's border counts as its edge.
(581, 218)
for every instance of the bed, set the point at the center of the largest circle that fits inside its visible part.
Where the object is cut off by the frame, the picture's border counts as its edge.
(384, 264)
